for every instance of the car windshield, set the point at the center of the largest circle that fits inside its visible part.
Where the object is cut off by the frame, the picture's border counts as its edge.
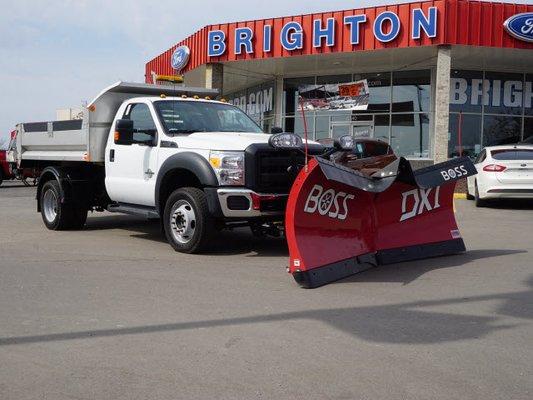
(184, 117)
(512, 154)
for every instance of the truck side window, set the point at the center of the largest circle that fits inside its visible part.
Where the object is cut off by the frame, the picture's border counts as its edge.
(144, 129)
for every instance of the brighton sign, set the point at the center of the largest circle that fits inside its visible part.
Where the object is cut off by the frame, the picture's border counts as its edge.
(386, 28)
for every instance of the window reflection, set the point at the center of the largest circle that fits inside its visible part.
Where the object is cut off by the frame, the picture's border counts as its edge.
(411, 91)
(528, 128)
(461, 96)
(502, 93)
(465, 135)
(410, 135)
(500, 129)
(528, 95)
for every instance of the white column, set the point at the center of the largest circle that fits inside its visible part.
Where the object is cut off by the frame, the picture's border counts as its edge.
(442, 104)
(214, 77)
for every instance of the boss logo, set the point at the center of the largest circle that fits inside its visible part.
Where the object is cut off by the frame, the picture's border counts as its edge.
(328, 203)
(422, 201)
(453, 173)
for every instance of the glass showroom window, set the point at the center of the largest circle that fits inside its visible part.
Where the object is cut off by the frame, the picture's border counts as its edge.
(528, 99)
(465, 135)
(410, 122)
(528, 128)
(410, 135)
(487, 109)
(501, 129)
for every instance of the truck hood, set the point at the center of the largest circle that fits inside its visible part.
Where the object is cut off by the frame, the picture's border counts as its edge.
(221, 140)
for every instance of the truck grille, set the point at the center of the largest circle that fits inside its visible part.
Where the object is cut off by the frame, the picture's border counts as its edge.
(270, 170)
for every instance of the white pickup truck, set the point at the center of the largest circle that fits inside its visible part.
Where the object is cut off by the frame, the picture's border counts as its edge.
(162, 152)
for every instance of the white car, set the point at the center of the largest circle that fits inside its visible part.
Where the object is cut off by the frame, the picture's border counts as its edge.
(503, 172)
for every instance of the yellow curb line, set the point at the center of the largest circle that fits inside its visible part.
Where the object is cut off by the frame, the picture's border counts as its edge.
(459, 196)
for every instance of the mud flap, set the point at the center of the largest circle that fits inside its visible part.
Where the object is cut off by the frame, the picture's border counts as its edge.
(340, 222)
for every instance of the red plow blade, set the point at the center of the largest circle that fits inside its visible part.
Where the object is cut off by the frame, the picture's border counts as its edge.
(340, 222)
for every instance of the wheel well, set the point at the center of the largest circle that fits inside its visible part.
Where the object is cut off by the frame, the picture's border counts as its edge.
(174, 179)
(47, 176)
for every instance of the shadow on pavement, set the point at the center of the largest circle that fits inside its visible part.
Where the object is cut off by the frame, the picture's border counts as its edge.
(405, 323)
(511, 204)
(408, 272)
(242, 241)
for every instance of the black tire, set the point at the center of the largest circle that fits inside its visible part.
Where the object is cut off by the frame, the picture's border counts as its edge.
(63, 216)
(468, 195)
(1, 177)
(479, 202)
(188, 224)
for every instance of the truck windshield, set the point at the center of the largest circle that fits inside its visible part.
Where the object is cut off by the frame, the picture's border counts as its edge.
(184, 117)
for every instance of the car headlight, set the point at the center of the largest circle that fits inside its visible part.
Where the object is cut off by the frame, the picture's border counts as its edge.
(228, 166)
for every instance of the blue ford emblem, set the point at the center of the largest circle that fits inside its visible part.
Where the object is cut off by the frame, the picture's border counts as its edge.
(520, 26)
(180, 57)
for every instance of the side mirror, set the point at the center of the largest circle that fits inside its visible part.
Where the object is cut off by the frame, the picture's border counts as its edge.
(124, 132)
(276, 129)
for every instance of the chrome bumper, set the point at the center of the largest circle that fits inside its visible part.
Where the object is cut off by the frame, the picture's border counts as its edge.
(252, 211)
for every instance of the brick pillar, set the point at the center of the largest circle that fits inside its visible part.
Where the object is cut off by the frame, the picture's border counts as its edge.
(214, 77)
(442, 104)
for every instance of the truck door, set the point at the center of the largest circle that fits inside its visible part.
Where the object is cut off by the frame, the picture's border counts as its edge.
(131, 170)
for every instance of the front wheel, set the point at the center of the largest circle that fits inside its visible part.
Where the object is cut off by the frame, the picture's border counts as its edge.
(187, 222)
(58, 216)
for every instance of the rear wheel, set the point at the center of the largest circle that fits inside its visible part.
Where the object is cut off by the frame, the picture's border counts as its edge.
(187, 222)
(56, 215)
(468, 195)
(479, 202)
(1, 177)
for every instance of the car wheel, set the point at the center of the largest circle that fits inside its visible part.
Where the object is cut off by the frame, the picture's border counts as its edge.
(1, 177)
(58, 216)
(479, 202)
(468, 195)
(187, 222)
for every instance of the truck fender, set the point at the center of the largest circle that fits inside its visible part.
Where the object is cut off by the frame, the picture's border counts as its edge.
(72, 184)
(48, 174)
(190, 162)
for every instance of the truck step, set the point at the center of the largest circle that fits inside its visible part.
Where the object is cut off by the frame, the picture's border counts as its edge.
(133, 209)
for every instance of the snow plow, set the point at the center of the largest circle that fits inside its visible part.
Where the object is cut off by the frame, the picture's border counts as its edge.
(359, 206)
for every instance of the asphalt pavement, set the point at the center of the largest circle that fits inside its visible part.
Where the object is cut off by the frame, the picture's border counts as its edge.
(112, 312)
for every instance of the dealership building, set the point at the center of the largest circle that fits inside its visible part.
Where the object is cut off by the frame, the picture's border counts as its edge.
(435, 79)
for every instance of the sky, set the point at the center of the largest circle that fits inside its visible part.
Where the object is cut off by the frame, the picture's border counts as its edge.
(60, 53)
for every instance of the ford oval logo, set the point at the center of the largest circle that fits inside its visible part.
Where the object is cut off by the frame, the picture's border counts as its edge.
(520, 26)
(180, 57)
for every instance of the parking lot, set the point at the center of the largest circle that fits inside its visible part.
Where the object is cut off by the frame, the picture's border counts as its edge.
(112, 312)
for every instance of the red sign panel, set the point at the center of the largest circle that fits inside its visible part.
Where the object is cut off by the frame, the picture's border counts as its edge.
(428, 23)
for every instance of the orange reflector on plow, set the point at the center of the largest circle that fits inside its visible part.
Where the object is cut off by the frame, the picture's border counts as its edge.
(340, 221)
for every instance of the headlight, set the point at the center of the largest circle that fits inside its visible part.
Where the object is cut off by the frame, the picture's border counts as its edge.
(228, 166)
(285, 140)
(347, 142)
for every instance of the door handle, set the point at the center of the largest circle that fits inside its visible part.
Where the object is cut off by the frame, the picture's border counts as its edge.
(112, 155)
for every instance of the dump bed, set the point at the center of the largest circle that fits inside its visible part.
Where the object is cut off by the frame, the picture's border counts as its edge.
(85, 139)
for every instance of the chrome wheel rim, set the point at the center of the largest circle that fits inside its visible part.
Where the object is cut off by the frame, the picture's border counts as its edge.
(183, 222)
(50, 205)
